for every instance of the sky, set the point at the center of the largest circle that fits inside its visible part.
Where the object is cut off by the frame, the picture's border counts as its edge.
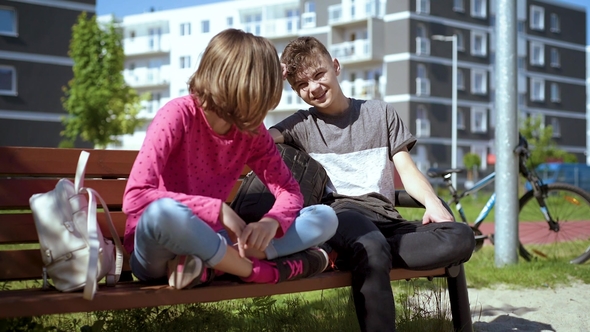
(129, 7)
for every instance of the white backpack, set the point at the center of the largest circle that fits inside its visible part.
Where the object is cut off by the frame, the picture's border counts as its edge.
(74, 252)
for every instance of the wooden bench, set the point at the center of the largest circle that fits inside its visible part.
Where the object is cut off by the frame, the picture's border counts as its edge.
(26, 171)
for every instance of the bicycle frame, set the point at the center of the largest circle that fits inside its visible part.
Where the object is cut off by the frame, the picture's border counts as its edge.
(485, 211)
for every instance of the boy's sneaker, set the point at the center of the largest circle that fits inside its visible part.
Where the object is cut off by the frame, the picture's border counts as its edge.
(188, 272)
(303, 264)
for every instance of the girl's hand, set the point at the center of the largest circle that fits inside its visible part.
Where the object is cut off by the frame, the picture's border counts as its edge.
(234, 225)
(257, 235)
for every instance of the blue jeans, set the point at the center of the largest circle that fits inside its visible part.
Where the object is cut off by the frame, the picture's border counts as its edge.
(168, 228)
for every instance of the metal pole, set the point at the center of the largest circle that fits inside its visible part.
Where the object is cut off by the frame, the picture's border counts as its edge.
(454, 114)
(506, 225)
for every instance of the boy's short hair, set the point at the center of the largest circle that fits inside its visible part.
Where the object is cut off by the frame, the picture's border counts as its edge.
(239, 78)
(302, 53)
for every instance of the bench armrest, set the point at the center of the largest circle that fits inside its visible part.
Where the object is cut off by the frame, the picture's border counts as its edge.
(403, 199)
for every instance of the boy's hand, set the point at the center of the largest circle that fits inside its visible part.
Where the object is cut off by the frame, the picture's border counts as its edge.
(233, 224)
(436, 212)
(257, 235)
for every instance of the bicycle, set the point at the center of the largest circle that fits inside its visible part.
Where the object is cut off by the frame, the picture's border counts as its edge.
(548, 213)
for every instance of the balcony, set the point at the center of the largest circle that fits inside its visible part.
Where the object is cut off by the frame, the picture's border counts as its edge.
(362, 89)
(290, 101)
(148, 78)
(357, 50)
(308, 20)
(282, 27)
(422, 87)
(355, 11)
(147, 45)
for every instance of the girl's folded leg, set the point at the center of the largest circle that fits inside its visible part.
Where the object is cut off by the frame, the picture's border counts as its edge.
(313, 226)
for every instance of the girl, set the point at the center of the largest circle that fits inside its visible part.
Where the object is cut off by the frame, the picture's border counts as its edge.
(178, 224)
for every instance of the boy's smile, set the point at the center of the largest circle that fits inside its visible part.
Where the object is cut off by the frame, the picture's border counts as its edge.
(318, 86)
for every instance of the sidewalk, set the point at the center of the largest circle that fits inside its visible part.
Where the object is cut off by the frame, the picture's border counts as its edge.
(529, 231)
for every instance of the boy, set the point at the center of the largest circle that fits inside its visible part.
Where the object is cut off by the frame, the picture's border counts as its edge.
(359, 142)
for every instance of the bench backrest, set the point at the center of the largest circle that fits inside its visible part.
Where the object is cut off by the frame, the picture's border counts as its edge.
(27, 171)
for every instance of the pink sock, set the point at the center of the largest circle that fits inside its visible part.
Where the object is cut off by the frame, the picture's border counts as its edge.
(263, 272)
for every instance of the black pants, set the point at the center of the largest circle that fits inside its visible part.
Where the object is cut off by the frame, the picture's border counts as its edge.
(369, 248)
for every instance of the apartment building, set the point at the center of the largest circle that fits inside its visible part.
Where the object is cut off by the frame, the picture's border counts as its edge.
(34, 66)
(387, 52)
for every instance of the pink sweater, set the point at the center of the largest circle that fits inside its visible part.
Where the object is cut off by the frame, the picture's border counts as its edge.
(184, 159)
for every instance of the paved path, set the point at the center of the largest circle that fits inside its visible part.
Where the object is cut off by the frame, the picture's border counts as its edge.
(534, 232)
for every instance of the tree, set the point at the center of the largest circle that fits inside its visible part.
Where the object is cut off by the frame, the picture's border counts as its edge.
(471, 161)
(541, 144)
(100, 104)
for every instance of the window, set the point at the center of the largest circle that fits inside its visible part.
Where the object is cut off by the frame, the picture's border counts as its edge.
(230, 21)
(132, 66)
(422, 81)
(479, 8)
(423, 6)
(8, 26)
(422, 42)
(555, 26)
(458, 6)
(460, 80)
(185, 61)
(460, 41)
(185, 29)
(7, 81)
(479, 82)
(422, 122)
(537, 89)
(555, 93)
(537, 54)
(308, 16)
(555, 61)
(460, 119)
(479, 120)
(556, 127)
(479, 43)
(205, 26)
(537, 18)
(132, 34)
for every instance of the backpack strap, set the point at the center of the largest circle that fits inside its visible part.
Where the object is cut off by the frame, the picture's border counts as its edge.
(92, 272)
(81, 170)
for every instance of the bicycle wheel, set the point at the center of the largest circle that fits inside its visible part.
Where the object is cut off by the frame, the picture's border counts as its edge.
(569, 206)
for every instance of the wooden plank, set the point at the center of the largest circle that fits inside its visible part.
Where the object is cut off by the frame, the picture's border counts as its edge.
(27, 264)
(62, 162)
(19, 303)
(20, 227)
(15, 193)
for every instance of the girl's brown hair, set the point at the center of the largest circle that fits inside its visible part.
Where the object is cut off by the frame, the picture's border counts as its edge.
(302, 53)
(239, 78)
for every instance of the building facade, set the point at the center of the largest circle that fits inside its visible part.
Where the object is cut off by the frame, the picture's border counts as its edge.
(387, 52)
(34, 66)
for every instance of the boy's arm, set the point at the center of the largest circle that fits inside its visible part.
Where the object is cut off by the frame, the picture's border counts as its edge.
(277, 136)
(418, 187)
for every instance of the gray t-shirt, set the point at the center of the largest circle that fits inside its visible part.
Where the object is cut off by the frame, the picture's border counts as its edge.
(355, 147)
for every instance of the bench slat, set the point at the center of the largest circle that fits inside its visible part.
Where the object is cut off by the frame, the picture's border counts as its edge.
(29, 161)
(19, 303)
(15, 193)
(27, 264)
(20, 228)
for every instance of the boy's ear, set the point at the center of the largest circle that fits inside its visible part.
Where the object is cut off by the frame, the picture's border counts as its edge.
(336, 66)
